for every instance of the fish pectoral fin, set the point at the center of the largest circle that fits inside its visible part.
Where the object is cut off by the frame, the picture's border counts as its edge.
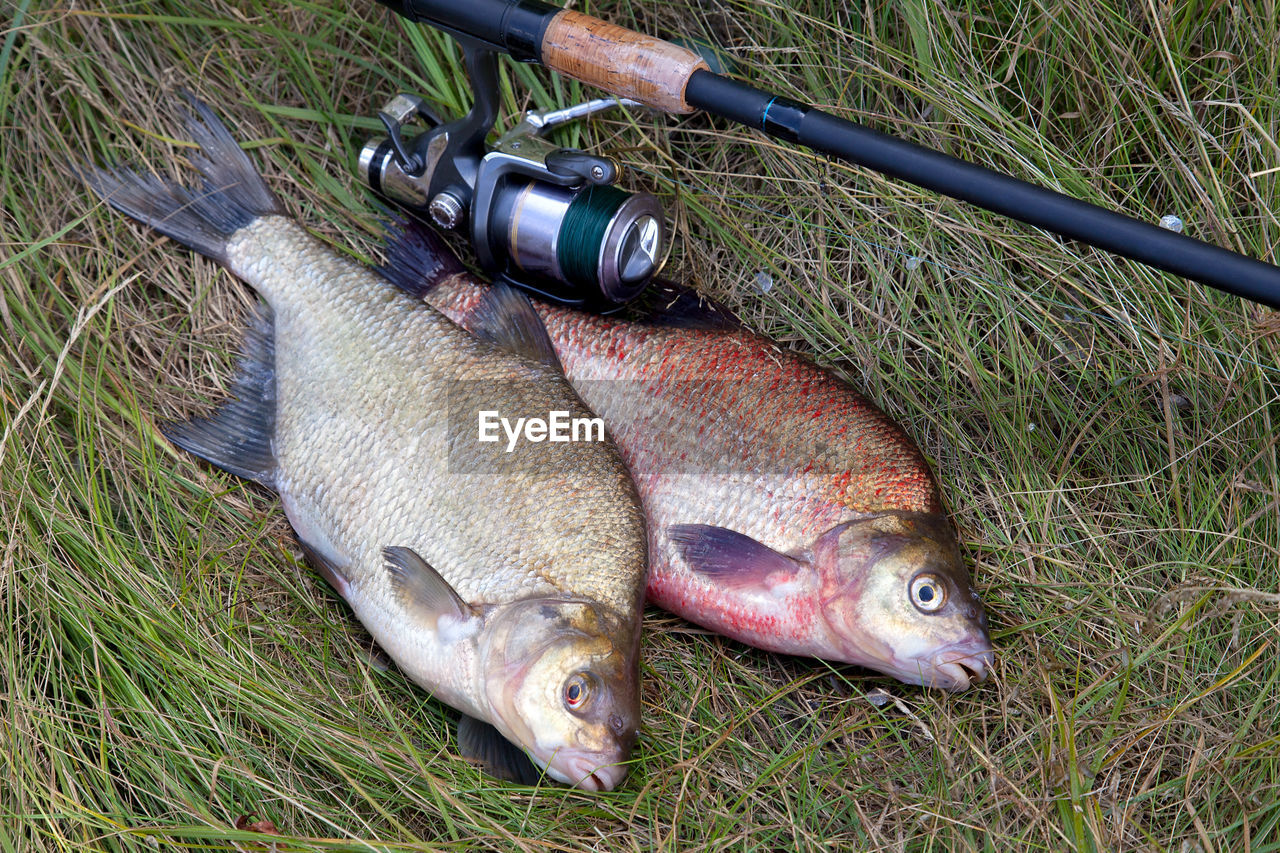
(730, 558)
(237, 437)
(505, 318)
(421, 589)
(481, 743)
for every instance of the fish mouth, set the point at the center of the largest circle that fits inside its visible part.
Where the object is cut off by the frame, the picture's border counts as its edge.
(592, 773)
(957, 668)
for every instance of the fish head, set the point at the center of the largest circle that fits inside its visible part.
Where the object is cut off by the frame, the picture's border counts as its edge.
(562, 681)
(897, 598)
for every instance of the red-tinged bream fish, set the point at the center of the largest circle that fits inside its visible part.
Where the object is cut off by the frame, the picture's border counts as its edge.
(784, 510)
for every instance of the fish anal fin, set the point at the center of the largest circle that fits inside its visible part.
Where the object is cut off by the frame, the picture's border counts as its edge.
(237, 437)
(480, 742)
(732, 559)
(506, 318)
(424, 593)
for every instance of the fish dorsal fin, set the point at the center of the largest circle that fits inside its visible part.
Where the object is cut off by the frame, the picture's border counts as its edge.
(730, 558)
(505, 317)
(417, 259)
(422, 591)
(481, 743)
(678, 306)
(237, 437)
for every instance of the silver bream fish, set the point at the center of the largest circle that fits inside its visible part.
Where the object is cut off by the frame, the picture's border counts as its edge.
(508, 585)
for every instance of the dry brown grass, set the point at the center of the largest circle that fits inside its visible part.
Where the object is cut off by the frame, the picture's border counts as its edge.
(1105, 437)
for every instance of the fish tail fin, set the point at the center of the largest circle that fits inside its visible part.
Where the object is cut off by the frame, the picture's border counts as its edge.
(231, 196)
(417, 259)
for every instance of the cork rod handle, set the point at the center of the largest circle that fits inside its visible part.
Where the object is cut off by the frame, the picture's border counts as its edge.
(620, 61)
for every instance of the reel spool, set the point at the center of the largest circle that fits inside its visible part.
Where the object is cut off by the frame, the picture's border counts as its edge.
(595, 239)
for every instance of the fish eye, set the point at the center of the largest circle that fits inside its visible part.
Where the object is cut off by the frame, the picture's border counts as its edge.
(577, 691)
(928, 592)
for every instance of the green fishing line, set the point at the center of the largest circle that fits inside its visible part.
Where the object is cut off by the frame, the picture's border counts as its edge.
(582, 231)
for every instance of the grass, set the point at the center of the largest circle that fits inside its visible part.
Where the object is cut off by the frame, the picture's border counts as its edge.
(1105, 437)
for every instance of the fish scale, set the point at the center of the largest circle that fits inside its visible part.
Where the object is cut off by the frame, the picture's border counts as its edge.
(784, 509)
(422, 351)
(881, 470)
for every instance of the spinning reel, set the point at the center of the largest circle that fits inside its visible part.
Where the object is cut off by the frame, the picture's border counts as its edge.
(543, 218)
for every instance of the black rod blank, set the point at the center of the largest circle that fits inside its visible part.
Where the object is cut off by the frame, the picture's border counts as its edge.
(1044, 208)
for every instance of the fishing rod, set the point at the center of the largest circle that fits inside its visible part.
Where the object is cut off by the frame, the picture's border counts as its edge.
(671, 78)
